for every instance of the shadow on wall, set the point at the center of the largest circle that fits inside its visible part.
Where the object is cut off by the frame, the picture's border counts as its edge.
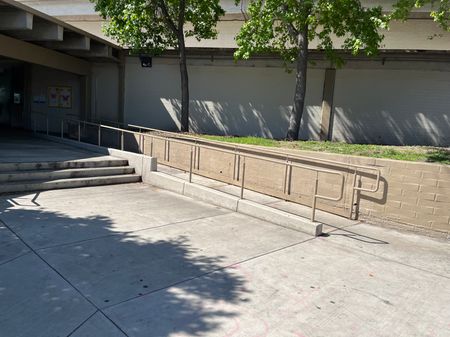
(385, 127)
(223, 118)
(141, 264)
(387, 106)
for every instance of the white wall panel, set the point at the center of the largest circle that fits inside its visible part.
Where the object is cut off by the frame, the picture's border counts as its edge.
(392, 106)
(225, 99)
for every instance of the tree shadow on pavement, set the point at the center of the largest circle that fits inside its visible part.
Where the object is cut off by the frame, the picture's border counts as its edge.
(148, 283)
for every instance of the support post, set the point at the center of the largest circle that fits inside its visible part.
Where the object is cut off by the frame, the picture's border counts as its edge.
(190, 165)
(314, 203)
(327, 104)
(243, 178)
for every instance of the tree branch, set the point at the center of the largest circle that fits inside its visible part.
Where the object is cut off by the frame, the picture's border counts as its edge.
(181, 15)
(290, 27)
(167, 17)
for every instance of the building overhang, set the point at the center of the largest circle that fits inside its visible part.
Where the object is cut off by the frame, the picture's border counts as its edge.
(32, 36)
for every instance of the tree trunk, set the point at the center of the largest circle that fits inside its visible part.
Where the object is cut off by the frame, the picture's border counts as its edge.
(300, 87)
(184, 86)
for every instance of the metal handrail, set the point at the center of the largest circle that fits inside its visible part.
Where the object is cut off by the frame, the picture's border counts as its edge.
(289, 164)
(376, 171)
(354, 167)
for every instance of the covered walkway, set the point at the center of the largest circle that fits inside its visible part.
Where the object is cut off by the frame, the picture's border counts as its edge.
(18, 146)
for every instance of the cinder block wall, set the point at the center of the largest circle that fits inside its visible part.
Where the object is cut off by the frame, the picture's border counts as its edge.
(410, 193)
(416, 194)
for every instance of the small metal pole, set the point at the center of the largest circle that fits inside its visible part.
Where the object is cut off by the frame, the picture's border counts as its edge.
(168, 150)
(238, 166)
(198, 157)
(121, 140)
(316, 185)
(151, 147)
(285, 175)
(79, 131)
(234, 164)
(99, 135)
(140, 144)
(243, 178)
(62, 128)
(190, 165)
(350, 216)
(289, 179)
(165, 149)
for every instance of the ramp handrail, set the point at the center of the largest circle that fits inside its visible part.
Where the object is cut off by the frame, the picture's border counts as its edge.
(240, 176)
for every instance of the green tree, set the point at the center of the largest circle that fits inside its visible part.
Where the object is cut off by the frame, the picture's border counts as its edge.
(152, 26)
(286, 27)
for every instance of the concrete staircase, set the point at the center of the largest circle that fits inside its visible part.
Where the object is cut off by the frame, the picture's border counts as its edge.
(23, 177)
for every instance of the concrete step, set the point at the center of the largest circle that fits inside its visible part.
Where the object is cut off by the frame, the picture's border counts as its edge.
(11, 187)
(71, 164)
(25, 176)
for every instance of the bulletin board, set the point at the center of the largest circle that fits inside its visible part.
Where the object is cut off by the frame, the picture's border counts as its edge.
(60, 97)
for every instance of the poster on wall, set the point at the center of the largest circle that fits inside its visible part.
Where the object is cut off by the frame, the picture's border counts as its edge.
(60, 97)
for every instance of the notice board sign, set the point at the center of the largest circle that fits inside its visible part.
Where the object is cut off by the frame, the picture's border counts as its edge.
(60, 97)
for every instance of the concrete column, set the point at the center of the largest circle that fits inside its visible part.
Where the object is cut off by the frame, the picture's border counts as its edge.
(327, 104)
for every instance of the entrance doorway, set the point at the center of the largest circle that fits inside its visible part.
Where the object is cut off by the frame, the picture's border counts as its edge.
(12, 91)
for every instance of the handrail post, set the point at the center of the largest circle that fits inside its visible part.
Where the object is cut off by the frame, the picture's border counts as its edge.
(121, 140)
(79, 131)
(350, 216)
(285, 176)
(151, 146)
(234, 163)
(99, 135)
(140, 143)
(62, 128)
(316, 185)
(190, 165)
(165, 148)
(243, 178)
(168, 150)
(238, 166)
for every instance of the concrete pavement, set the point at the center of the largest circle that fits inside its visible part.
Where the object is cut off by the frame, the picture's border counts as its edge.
(133, 260)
